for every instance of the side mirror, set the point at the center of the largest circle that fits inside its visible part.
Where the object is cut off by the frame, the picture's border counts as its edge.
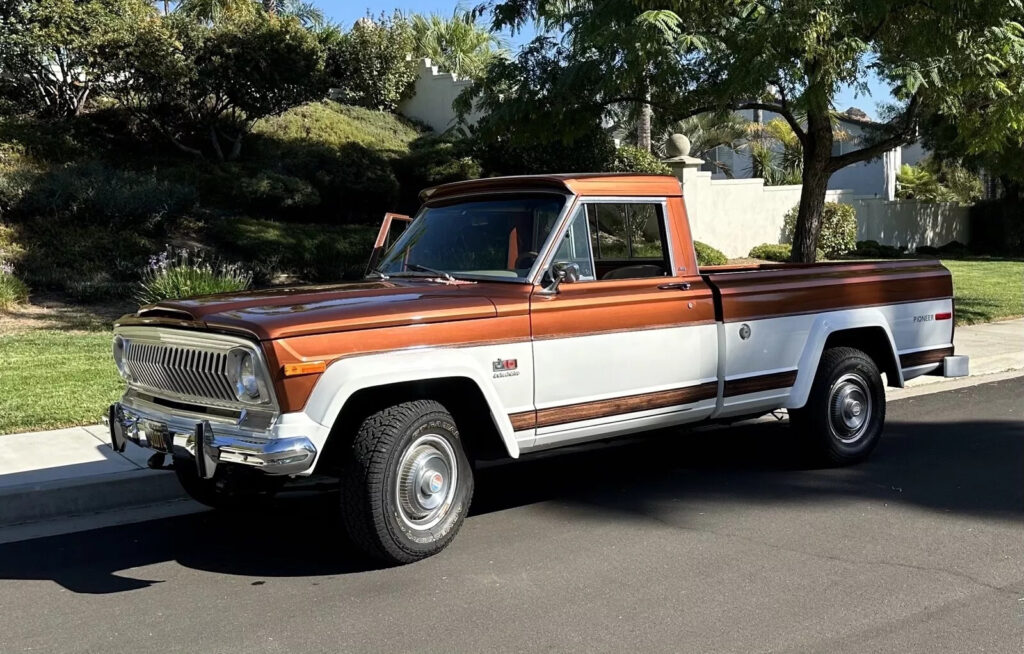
(564, 271)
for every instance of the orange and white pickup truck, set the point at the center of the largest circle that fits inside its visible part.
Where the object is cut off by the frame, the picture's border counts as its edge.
(514, 315)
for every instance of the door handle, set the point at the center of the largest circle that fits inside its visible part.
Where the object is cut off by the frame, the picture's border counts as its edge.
(675, 286)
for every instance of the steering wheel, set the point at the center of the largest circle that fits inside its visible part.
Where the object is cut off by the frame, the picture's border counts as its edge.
(526, 260)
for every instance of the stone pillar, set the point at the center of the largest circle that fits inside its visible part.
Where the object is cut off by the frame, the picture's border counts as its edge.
(679, 160)
(683, 167)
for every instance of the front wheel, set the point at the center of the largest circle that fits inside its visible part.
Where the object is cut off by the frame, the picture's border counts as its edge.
(845, 411)
(406, 482)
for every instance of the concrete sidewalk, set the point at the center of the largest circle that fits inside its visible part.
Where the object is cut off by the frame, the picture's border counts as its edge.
(53, 474)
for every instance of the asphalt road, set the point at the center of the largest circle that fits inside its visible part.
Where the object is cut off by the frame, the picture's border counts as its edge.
(716, 541)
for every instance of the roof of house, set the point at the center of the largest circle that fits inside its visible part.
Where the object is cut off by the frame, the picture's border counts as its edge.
(618, 184)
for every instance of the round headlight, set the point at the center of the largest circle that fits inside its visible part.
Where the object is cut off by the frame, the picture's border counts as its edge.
(248, 385)
(119, 345)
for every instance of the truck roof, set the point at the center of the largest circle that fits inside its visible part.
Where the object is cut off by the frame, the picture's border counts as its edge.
(617, 184)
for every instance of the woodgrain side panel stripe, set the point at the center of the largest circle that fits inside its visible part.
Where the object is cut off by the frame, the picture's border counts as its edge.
(612, 407)
(759, 383)
(924, 357)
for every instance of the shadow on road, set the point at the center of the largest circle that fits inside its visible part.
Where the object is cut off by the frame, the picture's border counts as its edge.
(972, 468)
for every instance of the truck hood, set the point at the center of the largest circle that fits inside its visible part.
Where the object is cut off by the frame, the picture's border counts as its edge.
(300, 311)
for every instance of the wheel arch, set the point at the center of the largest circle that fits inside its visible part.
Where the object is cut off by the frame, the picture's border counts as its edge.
(867, 331)
(461, 396)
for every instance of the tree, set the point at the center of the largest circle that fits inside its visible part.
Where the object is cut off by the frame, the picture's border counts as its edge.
(457, 45)
(213, 11)
(193, 82)
(370, 66)
(611, 53)
(791, 58)
(50, 50)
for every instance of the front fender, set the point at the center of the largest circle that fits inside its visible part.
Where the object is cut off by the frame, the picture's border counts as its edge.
(345, 377)
(823, 327)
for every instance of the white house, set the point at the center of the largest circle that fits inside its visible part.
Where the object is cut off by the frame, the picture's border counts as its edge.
(874, 178)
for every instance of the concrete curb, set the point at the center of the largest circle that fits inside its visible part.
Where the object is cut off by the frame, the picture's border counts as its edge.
(93, 494)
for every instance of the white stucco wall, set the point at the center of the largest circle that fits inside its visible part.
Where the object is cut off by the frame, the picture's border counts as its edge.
(432, 97)
(734, 215)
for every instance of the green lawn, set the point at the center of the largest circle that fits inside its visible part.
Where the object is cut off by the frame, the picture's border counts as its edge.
(52, 378)
(987, 289)
(59, 377)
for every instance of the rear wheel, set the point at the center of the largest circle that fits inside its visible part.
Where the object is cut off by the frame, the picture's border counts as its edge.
(845, 411)
(406, 483)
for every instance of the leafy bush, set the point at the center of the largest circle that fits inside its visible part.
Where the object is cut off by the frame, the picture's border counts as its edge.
(176, 274)
(631, 159)
(838, 229)
(13, 291)
(349, 155)
(997, 227)
(771, 251)
(874, 249)
(370, 64)
(709, 256)
(275, 192)
(101, 193)
(318, 253)
(334, 125)
(933, 181)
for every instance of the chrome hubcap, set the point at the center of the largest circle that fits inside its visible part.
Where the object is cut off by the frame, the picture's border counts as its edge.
(849, 408)
(427, 475)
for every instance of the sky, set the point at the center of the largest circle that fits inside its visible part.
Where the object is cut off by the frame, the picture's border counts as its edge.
(347, 12)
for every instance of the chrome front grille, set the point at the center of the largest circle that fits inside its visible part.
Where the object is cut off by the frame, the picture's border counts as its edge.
(185, 371)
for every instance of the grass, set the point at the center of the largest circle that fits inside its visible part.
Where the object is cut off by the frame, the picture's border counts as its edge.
(987, 289)
(55, 378)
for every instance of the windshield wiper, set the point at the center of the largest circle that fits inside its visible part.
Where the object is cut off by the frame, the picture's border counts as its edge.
(379, 273)
(433, 271)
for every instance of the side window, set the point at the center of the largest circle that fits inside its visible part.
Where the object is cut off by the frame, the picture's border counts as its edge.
(628, 240)
(575, 246)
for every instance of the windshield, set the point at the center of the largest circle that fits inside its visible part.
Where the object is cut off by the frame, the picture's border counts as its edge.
(493, 238)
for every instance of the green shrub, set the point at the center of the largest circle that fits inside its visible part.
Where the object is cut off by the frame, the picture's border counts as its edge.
(838, 229)
(709, 256)
(876, 250)
(276, 192)
(997, 227)
(771, 251)
(316, 253)
(84, 260)
(370, 64)
(176, 274)
(631, 159)
(13, 291)
(349, 155)
(333, 125)
(101, 193)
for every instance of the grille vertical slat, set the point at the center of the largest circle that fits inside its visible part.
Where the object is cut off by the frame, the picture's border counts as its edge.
(186, 371)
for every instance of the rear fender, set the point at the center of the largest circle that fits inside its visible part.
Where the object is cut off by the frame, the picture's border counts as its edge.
(825, 326)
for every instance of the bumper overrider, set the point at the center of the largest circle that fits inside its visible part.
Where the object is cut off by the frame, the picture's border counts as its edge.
(209, 444)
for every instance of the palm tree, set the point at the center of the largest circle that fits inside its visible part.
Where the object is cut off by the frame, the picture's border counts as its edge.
(707, 132)
(456, 45)
(215, 10)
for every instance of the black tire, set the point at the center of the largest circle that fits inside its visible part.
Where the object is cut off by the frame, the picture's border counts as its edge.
(845, 411)
(235, 492)
(401, 460)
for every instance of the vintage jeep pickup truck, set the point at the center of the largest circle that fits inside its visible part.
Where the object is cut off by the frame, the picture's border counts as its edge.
(514, 315)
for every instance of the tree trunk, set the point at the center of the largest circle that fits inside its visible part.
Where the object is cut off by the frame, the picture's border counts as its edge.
(643, 125)
(167, 7)
(817, 152)
(270, 6)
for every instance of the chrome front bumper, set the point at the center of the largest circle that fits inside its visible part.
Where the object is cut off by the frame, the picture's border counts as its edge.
(220, 443)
